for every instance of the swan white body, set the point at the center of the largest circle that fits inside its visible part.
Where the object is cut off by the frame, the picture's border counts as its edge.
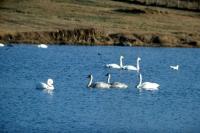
(101, 85)
(42, 46)
(2, 45)
(133, 68)
(175, 67)
(147, 85)
(116, 66)
(46, 86)
(116, 84)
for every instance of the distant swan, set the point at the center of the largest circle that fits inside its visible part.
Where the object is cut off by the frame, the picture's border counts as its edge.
(133, 68)
(147, 85)
(116, 84)
(46, 86)
(175, 67)
(42, 46)
(116, 66)
(2, 45)
(97, 84)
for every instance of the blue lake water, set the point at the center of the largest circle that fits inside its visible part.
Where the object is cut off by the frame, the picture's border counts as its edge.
(75, 108)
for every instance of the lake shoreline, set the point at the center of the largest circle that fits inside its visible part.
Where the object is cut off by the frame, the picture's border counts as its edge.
(92, 36)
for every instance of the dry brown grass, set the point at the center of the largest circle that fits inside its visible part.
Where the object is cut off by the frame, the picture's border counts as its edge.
(44, 15)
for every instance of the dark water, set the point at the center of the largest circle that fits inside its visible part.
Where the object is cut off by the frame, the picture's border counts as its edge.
(75, 108)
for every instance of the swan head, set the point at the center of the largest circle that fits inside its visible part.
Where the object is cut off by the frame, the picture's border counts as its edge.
(121, 57)
(89, 76)
(108, 74)
(50, 81)
(139, 59)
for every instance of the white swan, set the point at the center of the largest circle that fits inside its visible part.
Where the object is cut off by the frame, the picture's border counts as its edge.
(175, 67)
(2, 45)
(116, 66)
(46, 86)
(97, 84)
(42, 46)
(116, 84)
(133, 68)
(147, 85)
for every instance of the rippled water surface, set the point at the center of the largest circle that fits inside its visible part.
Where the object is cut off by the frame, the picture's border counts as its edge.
(75, 108)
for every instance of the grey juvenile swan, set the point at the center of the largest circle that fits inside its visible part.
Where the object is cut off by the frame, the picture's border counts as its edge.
(116, 84)
(97, 84)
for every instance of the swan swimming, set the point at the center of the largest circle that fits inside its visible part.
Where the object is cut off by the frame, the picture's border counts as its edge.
(147, 85)
(97, 84)
(2, 45)
(175, 67)
(116, 66)
(116, 84)
(42, 46)
(133, 68)
(46, 86)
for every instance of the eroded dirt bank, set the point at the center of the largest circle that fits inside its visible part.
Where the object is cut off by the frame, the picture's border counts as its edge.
(93, 36)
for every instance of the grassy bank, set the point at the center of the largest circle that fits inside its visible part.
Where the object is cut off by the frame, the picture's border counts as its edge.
(112, 23)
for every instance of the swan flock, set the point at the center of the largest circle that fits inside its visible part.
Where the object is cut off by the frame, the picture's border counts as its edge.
(105, 85)
(125, 67)
(49, 87)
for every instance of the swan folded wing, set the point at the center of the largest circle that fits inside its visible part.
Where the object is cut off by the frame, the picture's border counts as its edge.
(113, 66)
(101, 85)
(118, 85)
(129, 67)
(174, 67)
(44, 86)
(42, 46)
(150, 86)
(41, 86)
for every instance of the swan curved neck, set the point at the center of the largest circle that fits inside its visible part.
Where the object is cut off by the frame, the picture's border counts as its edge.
(49, 84)
(121, 62)
(108, 80)
(90, 82)
(140, 82)
(138, 65)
